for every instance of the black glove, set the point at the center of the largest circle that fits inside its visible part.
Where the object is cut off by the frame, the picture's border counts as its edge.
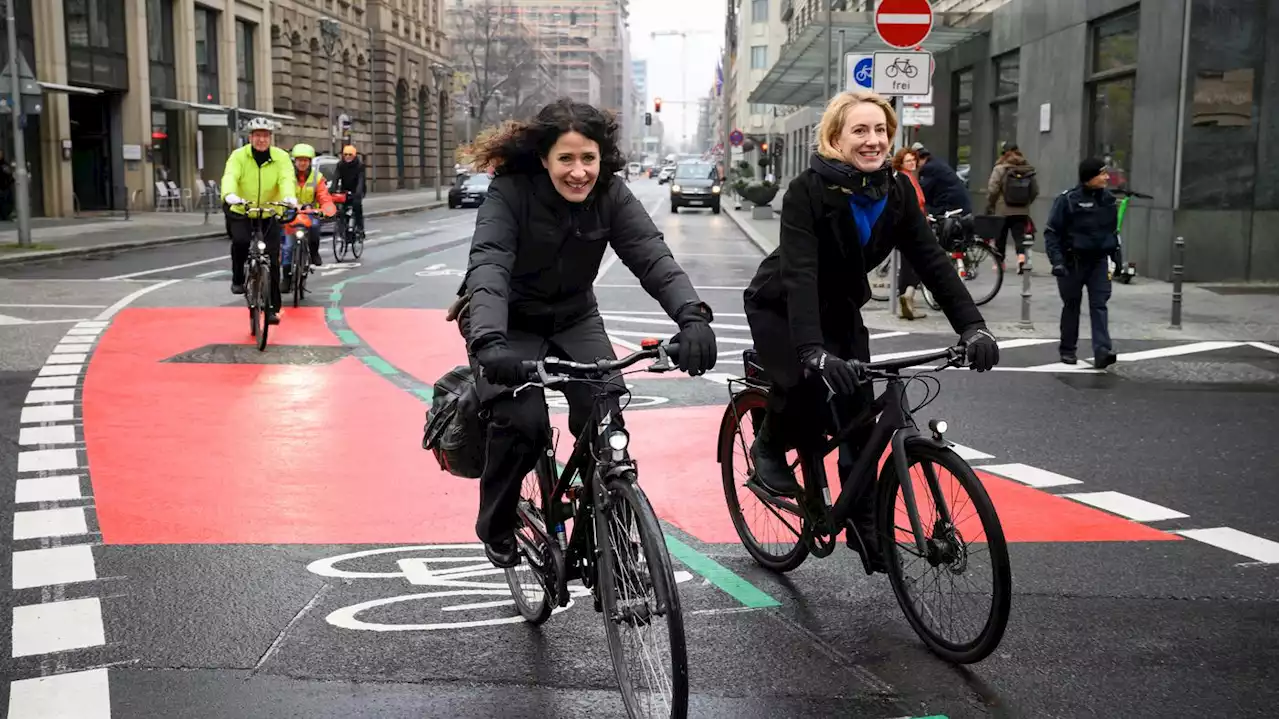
(500, 365)
(1059, 270)
(836, 372)
(696, 339)
(980, 348)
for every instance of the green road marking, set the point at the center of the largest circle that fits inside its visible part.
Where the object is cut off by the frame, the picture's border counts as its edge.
(379, 364)
(337, 286)
(747, 594)
(740, 589)
(348, 337)
(425, 394)
(333, 314)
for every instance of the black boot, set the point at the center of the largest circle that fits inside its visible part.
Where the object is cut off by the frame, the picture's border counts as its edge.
(502, 553)
(769, 454)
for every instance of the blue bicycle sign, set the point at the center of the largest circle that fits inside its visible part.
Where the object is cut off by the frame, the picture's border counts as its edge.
(863, 72)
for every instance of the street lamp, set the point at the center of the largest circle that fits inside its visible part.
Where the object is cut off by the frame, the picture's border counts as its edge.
(441, 73)
(330, 31)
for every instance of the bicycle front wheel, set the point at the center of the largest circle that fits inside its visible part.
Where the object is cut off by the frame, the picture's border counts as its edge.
(263, 296)
(637, 590)
(964, 543)
(339, 241)
(301, 263)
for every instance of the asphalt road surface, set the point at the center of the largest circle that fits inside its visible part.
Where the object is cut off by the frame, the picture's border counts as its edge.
(201, 530)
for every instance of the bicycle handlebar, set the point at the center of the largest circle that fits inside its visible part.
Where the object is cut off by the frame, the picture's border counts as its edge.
(866, 371)
(553, 370)
(1131, 193)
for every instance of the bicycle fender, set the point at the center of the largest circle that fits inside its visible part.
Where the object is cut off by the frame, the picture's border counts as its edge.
(925, 439)
(727, 421)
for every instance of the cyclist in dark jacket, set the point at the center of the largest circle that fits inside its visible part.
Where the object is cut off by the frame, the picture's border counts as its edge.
(1079, 237)
(552, 210)
(840, 218)
(943, 189)
(350, 179)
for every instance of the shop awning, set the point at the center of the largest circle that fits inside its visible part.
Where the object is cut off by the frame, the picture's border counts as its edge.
(69, 89)
(799, 76)
(268, 115)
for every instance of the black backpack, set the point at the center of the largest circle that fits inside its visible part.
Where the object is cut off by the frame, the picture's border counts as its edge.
(1020, 187)
(456, 427)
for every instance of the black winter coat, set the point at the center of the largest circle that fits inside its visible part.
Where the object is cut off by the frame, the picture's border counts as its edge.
(943, 190)
(535, 256)
(811, 289)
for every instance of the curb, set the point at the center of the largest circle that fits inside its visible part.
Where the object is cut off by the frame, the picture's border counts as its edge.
(70, 252)
(752, 233)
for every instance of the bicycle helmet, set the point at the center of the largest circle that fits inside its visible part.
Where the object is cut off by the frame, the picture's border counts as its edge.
(260, 123)
(302, 149)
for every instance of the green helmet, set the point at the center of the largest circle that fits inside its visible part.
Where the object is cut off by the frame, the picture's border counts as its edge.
(302, 149)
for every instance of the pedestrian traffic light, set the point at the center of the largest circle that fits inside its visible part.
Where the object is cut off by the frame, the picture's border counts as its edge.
(764, 147)
(648, 118)
(657, 104)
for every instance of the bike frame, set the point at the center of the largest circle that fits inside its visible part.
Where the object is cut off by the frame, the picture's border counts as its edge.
(894, 428)
(564, 500)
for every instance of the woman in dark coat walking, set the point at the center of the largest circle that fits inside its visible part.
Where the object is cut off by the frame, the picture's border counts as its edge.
(841, 217)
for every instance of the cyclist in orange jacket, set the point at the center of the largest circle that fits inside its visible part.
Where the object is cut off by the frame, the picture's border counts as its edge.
(313, 190)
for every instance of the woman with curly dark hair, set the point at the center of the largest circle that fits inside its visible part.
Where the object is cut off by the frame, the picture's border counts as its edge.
(553, 208)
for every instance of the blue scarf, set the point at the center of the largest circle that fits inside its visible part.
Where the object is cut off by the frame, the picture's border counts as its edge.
(865, 213)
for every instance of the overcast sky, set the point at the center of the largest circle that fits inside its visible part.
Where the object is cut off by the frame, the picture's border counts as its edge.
(704, 21)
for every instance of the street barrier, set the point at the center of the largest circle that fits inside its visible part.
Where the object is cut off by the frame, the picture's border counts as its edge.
(1179, 252)
(1025, 322)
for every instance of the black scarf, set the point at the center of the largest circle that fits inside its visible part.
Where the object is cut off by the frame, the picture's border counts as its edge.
(872, 185)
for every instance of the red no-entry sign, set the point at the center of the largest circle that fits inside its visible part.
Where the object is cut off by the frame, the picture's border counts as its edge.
(904, 23)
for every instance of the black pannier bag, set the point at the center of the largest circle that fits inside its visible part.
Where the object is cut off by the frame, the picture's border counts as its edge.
(455, 430)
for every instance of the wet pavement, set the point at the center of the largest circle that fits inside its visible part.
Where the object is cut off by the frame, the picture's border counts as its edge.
(201, 531)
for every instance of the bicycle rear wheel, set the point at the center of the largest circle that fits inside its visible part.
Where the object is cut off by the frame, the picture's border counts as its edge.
(955, 549)
(533, 592)
(983, 272)
(637, 590)
(772, 534)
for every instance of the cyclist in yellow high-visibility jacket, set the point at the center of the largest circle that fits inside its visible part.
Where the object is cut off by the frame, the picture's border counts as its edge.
(257, 173)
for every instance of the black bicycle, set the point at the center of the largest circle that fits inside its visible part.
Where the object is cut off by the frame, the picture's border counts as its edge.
(616, 546)
(949, 540)
(345, 234)
(257, 269)
(974, 259)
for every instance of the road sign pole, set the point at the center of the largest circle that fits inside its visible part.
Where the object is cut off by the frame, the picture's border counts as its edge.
(22, 198)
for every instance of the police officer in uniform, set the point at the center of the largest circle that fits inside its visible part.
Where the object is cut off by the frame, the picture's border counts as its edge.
(1079, 237)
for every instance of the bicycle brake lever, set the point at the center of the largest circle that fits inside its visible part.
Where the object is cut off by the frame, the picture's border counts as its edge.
(664, 361)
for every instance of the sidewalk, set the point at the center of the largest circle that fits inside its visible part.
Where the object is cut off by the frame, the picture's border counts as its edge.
(70, 237)
(1141, 310)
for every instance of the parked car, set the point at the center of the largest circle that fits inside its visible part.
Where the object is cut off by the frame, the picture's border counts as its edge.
(469, 191)
(695, 184)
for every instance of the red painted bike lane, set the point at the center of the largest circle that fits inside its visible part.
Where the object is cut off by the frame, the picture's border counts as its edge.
(188, 453)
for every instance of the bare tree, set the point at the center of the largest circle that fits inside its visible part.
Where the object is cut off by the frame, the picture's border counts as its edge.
(502, 58)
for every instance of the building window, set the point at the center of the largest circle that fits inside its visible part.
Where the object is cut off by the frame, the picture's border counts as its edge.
(206, 37)
(759, 57)
(759, 109)
(160, 48)
(96, 43)
(244, 65)
(1004, 107)
(759, 10)
(961, 118)
(1112, 74)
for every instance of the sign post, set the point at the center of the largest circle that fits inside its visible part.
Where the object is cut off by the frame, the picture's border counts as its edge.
(904, 24)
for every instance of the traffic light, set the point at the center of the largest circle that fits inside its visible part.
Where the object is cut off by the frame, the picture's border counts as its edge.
(648, 118)
(657, 104)
(764, 147)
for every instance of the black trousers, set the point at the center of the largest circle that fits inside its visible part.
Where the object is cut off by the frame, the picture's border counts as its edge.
(1015, 226)
(800, 404)
(357, 212)
(1084, 273)
(519, 428)
(241, 230)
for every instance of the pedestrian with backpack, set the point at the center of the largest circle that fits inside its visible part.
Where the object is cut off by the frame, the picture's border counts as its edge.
(1010, 191)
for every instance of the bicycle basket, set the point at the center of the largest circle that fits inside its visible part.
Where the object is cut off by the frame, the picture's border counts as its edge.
(455, 429)
(988, 227)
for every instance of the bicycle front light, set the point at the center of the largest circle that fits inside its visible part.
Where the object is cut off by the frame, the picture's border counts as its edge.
(938, 427)
(618, 441)
(300, 234)
(262, 246)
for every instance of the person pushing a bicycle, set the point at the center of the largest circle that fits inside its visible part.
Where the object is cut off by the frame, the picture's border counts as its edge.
(840, 217)
(257, 173)
(553, 207)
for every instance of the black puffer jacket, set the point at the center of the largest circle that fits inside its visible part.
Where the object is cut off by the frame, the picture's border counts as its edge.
(817, 277)
(535, 256)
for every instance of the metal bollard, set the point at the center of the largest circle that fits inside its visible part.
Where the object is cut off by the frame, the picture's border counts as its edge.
(1179, 256)
(1025, 322)
(893, 283)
